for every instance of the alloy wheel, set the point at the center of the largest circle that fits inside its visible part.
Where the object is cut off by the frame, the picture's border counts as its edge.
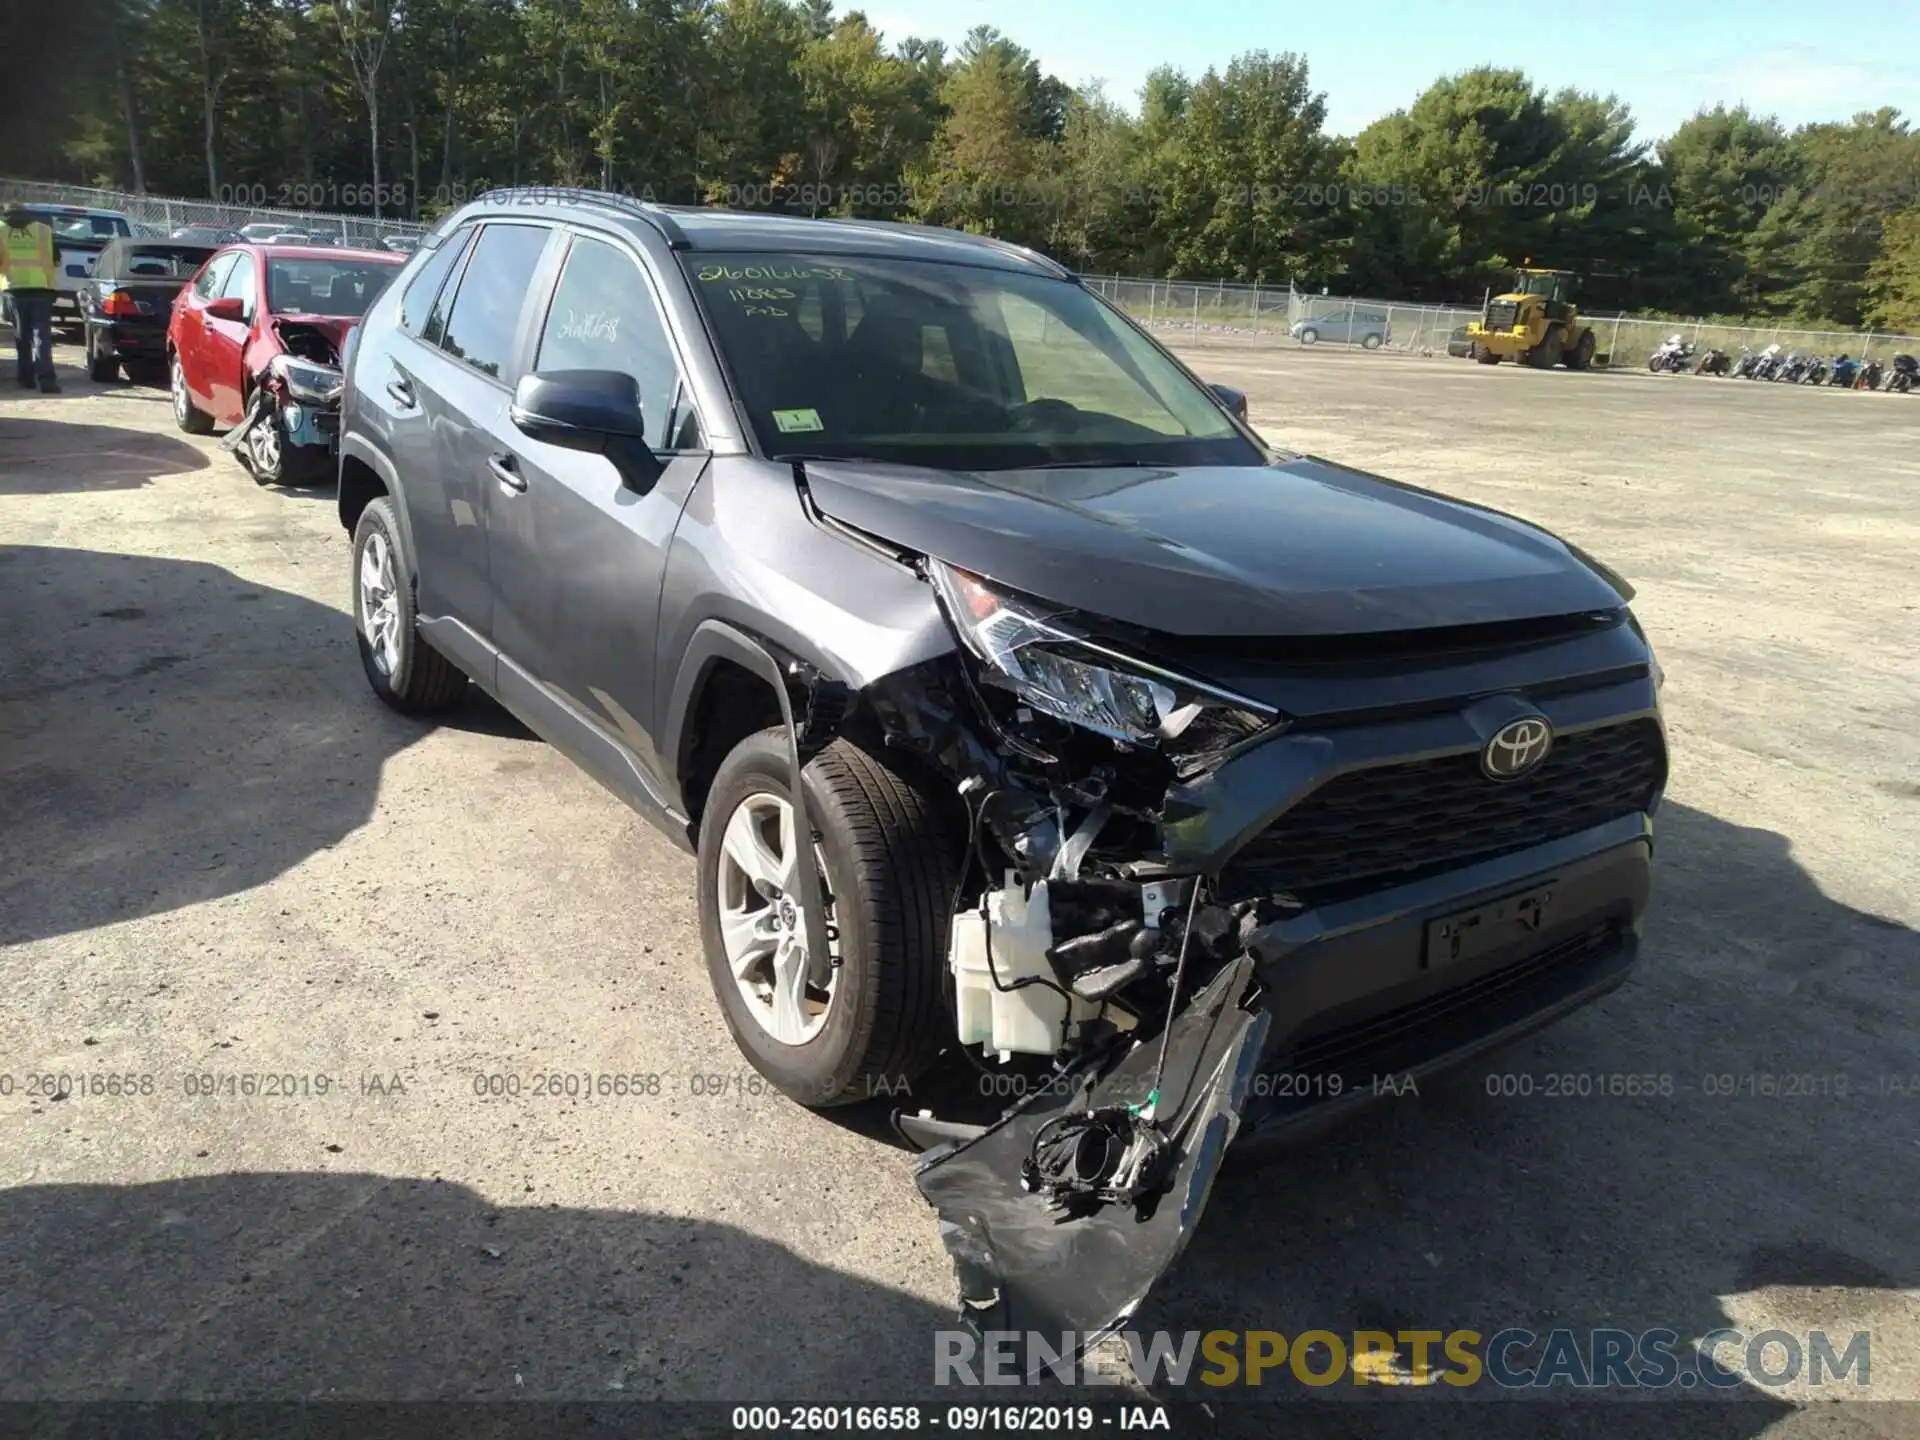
(761, 925)
(380, 603)
(263, 447)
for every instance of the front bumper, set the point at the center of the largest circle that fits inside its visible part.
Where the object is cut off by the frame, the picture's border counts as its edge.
(1358, 1012)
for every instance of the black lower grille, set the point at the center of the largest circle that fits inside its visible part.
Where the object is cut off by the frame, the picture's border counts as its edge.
(1339, 1049)
(1394, 823)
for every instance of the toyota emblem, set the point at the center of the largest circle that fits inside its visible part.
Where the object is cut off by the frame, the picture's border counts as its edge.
(1517, 748)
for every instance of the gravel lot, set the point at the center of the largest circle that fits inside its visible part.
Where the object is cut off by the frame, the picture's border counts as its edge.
(221, 857)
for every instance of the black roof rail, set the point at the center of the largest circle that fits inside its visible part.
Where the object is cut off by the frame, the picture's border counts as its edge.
(987, 242)
(655, 215)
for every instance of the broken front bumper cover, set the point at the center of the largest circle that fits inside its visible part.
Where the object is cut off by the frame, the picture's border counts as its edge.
(1023, 1264)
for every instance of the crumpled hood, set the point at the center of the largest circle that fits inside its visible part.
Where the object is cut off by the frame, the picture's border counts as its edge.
(1300, 547)
(334, 327)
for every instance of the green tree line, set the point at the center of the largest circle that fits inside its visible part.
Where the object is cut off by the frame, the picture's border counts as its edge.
(405, 107)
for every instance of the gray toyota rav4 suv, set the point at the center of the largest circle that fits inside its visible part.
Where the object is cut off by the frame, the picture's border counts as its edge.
(1023, 708)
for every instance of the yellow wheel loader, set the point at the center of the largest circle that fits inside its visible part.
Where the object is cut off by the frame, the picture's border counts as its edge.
(1536, 323)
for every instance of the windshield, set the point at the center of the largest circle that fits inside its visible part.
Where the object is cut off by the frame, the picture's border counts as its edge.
(325, 287)
(949, 365)
(1548, 285)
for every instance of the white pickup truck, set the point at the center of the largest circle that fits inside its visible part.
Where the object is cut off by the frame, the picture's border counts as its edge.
(79, 235)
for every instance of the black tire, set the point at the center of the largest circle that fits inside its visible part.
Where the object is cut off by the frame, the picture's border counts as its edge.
(1370, 341)
(188, 416)
(1485, 356)
(1546, 354)
(891, 855)
(421, 681)
(1309, 336)
(102, 365)
(1581, 356)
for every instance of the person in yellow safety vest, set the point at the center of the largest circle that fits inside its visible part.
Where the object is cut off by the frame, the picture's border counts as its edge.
(26, 264)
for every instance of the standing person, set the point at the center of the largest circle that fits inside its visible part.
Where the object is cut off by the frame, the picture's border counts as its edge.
(26, 262)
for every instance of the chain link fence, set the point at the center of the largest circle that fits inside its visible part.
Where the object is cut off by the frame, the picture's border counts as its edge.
(1278, 312)
(162, 214)
(1210, 308)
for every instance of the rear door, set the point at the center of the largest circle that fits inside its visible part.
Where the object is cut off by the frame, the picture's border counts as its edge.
(578, 558)
(460, 375)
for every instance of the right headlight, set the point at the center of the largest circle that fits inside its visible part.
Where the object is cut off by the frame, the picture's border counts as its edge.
(314, 384)
(1035, 651)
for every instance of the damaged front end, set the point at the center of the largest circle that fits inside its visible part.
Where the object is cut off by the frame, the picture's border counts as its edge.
(1114, 992)
(292, 424)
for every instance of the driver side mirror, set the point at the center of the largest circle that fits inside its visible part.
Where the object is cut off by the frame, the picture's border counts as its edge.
(1234, 400)
(228, 307)
(594, 411)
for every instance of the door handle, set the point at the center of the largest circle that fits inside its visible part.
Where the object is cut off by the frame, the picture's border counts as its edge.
(507, 473)
(401, 392)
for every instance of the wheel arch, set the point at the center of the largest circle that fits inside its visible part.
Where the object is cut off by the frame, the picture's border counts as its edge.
(365, 475)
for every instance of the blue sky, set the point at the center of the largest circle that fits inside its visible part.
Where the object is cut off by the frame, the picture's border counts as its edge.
(1812, 60)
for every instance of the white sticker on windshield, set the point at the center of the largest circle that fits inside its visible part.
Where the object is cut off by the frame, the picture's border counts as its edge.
(792, 422)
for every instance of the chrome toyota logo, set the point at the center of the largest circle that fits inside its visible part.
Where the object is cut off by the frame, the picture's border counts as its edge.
(1516, 748)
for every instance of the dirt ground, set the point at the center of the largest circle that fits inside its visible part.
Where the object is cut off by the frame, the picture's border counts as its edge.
(220, 858)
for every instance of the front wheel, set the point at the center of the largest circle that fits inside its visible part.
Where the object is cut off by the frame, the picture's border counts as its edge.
(871, 1019)
(273, 460)
(1309, 336)
(404, 670)
(1485, 356)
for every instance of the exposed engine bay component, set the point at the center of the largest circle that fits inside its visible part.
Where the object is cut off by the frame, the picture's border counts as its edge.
(1060, 1216)
(1006, 993)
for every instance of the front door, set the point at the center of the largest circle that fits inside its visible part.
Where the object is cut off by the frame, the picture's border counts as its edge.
(578, 558)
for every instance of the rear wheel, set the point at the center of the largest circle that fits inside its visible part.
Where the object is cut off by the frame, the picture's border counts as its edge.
(102, 364)
(1370, 341)
(404, 670)
(188, 416)
(887, 852)
(1485, 356)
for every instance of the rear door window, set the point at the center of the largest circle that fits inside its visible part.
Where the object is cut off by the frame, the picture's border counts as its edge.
(424, 288)
(485, 316)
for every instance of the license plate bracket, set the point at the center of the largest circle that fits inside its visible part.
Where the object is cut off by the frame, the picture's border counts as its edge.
(1494, 925)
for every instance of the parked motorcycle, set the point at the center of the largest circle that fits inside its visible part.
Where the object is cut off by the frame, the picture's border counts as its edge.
(1869, 377)
(1816, 371)
(1671, 357)
(1905, 374)
(1748, 362)
(1714, 362)
(1766, 365)
(1845, 371)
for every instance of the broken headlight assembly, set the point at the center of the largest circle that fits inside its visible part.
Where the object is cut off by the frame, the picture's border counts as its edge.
(1042, 657)
(305, 381)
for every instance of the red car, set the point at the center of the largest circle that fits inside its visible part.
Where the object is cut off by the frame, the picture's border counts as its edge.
(254, 347)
